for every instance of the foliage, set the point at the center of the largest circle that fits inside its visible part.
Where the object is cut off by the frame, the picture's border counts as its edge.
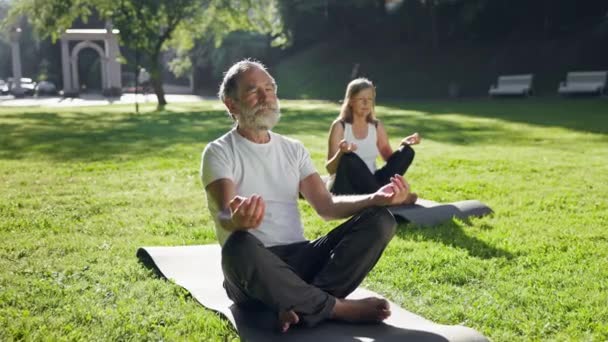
(212, 34)
(212, 61)
(34, 50)
(203, 44)
(306, 22)
(83, 188)
(435, 22)
(147, 26)
(414, 72)
(5, 50)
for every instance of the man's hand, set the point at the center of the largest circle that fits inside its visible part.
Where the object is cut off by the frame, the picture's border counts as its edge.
(392, 193)
(347, 147)
(247, 213)
(413, 139)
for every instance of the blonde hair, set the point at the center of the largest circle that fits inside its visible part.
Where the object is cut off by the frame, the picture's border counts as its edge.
(355, 87)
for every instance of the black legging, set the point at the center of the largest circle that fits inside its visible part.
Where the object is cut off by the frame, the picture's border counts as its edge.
(354, 177)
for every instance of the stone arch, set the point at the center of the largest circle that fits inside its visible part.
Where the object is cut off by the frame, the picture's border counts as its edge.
(74, 63)
(108, 52)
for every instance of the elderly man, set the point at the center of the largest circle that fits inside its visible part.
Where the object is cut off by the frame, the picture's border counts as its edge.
(252, 177)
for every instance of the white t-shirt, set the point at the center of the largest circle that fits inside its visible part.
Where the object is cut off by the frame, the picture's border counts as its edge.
(367, 148)
(272, 170)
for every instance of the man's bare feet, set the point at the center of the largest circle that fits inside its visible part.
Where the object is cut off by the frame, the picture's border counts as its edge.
(411, 198)
(286, 319)
(361, 310)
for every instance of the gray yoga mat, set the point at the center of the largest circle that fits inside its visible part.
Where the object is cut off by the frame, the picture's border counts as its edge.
(429, 213)
(198, 270)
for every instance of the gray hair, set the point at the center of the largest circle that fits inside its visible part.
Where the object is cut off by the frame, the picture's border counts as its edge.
(228, 87)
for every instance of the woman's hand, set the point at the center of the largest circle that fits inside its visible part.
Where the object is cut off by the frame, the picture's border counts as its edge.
(413, 139)
(347, 147)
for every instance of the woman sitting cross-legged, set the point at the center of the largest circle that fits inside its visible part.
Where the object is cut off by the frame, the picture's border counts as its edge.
(356, 138)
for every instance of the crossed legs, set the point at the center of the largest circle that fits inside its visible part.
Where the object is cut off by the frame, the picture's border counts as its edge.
(353, 176)
(311, 278)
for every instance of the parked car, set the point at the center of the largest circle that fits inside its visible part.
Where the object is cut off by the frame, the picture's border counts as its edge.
(3, 87)
(45, 88)
(27, 86)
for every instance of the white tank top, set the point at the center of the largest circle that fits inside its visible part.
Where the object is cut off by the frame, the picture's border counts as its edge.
(367, 148)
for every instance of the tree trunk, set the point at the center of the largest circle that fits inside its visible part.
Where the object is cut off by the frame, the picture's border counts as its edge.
(432, 7)
(157, 82)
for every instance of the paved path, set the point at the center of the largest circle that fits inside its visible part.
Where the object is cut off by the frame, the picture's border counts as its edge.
(93, 100)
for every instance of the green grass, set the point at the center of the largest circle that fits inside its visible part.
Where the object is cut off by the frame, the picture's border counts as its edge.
(83, 188)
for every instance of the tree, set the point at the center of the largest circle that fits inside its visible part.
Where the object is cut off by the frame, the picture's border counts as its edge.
(146, 26)
(5, 49)
(222, 38)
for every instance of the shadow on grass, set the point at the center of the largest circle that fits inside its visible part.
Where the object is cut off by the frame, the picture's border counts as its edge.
(91, 135)
(451, 234)
(578, 114)
(314, 122)
(431, 120)
(101, 135)
(400, 125)
(94, 136)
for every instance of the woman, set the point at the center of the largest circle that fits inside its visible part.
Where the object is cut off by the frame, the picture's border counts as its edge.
(356, 138)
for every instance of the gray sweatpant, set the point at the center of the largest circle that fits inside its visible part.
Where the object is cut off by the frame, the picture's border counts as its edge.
(308, 276)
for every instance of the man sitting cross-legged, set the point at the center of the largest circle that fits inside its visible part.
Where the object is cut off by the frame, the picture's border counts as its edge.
(252, 177)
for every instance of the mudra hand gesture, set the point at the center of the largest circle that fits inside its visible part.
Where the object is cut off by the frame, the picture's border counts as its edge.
(247, 212)
(347, 147)
(413, 139)
(393, 193)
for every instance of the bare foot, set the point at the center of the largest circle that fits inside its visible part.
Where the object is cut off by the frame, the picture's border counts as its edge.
(411, 198)
(286, 319)
(361, 310)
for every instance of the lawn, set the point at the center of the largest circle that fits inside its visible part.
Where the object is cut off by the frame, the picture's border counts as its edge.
(416, 71)
(83, 188)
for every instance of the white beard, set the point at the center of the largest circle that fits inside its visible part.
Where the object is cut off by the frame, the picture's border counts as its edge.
(260, 117)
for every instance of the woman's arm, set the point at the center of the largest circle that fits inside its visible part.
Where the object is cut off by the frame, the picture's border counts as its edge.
(334, 152)
(382, 142)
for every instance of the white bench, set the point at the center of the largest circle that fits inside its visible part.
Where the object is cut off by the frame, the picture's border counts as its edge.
(583, 82)
(512, 85)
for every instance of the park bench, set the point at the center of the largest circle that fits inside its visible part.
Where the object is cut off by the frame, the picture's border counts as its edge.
(512, 85)
(580, 82)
